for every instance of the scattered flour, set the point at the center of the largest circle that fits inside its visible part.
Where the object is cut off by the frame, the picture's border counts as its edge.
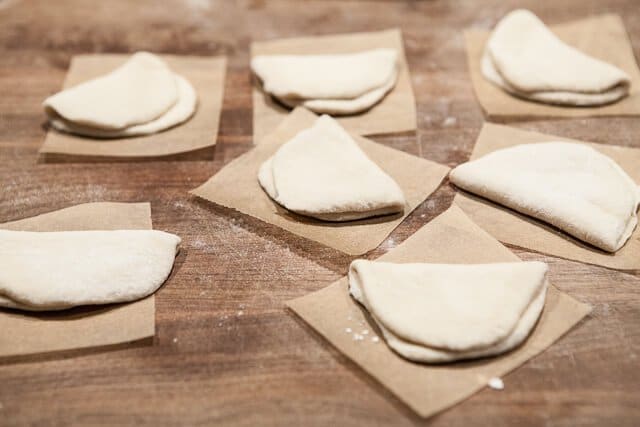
(496, 384)
(449, 121)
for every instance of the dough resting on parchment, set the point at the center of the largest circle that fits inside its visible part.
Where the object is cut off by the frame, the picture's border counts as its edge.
(525, 58)
(345, 106)
(60, 270)
(568, 185)
(323, 173)
(445, 312)
(141, 97)
(181, 111)
(331, 84)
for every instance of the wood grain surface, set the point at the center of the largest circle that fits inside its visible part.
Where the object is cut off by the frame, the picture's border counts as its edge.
(227, 351)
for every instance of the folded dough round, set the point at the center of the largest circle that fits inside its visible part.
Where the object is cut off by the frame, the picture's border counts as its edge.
(137, 92)
(419, 353)
(323, 173)
(59, 270)
(525, 58)
(338, 76)
(180, 112)
(571, 186)
(577, 99)
(449, 307)
(345, 106)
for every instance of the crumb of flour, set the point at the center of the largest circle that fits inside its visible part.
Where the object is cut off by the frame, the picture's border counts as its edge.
(496, 384)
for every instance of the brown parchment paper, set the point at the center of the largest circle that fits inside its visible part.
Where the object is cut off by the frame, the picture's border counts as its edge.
(603, 37)
(517, 229)
(23, 333)
(206, 74)
(236, 186)
(395, 113)
(427, 389)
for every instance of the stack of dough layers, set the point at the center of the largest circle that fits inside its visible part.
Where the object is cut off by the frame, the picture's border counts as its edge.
(141, 97)
(568, 185)
(323, 173)
(332, 84)
(439, 313)
(526, 59)
(59, 270)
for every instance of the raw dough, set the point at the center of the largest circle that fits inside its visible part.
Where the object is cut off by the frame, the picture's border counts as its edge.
(345, 106)
(137, 92)
(443, 312)
(569, 185)
(420, 353)
(525, 58)
(59, 270)
(344, 76)
(558, 97)
(323, 173)
(179, 113)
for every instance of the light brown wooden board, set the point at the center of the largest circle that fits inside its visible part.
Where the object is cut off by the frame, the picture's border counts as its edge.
(265, 366)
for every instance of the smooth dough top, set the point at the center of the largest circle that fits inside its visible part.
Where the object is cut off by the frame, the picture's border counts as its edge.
(338, 76)
(571, 186)
(58, 270)
(137, 92)
(178, 113)
(322, 172)
(533, 59)
(457, 307)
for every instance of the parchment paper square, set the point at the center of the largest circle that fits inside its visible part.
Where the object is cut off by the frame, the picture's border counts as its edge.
(603, 37)
(206, 74)
(395, 113)
(23, 333)
(427, 389)
(517, 229)
(236, 186)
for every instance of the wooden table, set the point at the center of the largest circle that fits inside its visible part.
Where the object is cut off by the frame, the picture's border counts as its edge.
(210, 365)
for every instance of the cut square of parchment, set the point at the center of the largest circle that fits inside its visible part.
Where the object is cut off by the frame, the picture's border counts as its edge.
(236, 186)
(395, 113)
(195, 136)
(603, 37)
(524, 231)
(23, 333)
(428, 389)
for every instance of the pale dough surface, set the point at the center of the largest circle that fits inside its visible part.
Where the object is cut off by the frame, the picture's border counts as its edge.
(180, 112)
(138, 91)
(345, 106)
(425, 354)
(525, 58)
(337, 76)
(59, 270)
(450, 307)
(322, 172)
(568, 185)
(578, 99)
